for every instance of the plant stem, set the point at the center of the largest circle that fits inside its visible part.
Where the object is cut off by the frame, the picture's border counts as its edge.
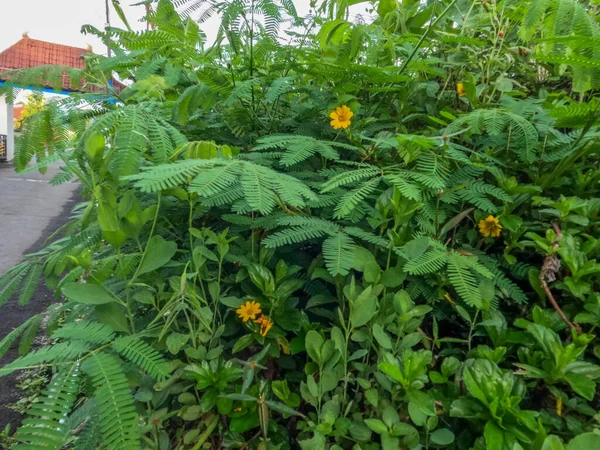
(473, 324)
(209, 429)
(547, 272)
(137, 271)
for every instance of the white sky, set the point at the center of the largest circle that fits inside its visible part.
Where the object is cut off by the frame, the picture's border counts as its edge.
(60, 21)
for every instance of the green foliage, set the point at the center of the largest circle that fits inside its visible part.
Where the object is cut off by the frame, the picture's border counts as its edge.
(115, 402)
(143, 356)
(47, 426)
(424, 276)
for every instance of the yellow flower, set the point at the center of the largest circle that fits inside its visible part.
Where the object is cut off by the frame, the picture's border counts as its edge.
(265, 324)
(248, 311)
(460, 90)
(559, 406)
(341, 117)
(490, 227)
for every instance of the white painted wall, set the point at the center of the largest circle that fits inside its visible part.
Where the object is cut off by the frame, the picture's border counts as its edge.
(10, 132)
(7, 127)
(3, 116)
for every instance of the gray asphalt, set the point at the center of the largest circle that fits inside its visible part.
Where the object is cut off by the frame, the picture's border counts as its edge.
(30, 211)
(27, 206)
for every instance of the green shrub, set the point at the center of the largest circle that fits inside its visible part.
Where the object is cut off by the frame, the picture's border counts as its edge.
(322, 234)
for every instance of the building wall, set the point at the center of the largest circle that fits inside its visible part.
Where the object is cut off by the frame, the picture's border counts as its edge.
(3, 116)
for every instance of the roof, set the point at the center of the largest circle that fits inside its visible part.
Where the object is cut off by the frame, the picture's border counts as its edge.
(32, 53)
(28, 53)
(17, 112)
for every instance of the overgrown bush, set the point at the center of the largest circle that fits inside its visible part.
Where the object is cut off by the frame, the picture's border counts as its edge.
(324, 234)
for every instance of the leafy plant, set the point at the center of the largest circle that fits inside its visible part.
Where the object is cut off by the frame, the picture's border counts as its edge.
(321, 233)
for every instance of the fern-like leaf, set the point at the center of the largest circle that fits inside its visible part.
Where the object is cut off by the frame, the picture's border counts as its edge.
(256, 189)
(402, 182)
(463, 280)
(350, 177)
(167, 176)
(535, 13)
(63, 353)
(429, 262)
(352, 198)
(338, 251)
(116, 411)
(366, 236)
(11, 337)
(29, 335)
(576, 115)
(12, 285)
(30, 283)
(292, 235)
(143, 355)
(215, 180)
(93, 332)
(47, 427)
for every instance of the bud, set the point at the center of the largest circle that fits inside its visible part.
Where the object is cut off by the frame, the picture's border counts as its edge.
(501, 33)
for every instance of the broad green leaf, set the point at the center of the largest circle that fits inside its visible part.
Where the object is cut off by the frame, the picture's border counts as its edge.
(158, 253)
(281, 389)
(443, 436)
(240, 397)
(317, 442)
(511, 222)
(314, 341)
(242, 343)
(114, 315)
(363, 309)
(176, 341)
(376, 425)
(382, 337)
(94, 146)
(392, 370)
(455, 221)
(244, 423)
(283, 409)
(416, 415)
(423, 400)
(581, 384)
(553, 443)
(403, 429)
(390, 416)
(586, 441)
(87, 293)
(468, 408)
(372, 396)
(496, 438)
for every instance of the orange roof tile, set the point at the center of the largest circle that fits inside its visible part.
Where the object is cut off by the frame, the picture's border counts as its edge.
(29, 52)
(17, 112)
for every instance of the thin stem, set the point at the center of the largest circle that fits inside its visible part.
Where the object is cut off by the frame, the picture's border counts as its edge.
(127, 298)
(473, 324)
(423, 37)
(417, 47)
(137, 271)
(548, 273)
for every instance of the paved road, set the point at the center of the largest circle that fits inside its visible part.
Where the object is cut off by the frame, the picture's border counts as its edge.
(30, 211)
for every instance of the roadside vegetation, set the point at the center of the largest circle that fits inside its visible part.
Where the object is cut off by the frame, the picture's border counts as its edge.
(322, 233)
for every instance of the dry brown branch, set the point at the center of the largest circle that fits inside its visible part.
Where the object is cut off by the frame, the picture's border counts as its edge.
(548, 273)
